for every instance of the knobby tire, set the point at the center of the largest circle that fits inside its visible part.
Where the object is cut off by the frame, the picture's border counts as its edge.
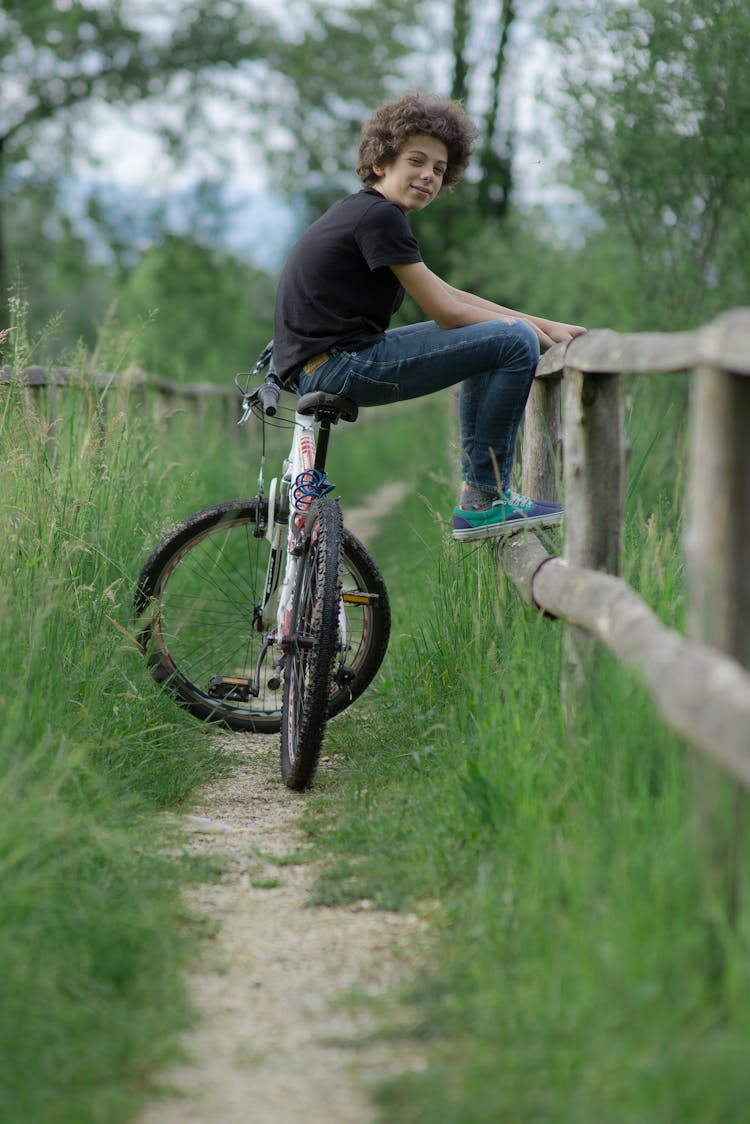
(312, 644)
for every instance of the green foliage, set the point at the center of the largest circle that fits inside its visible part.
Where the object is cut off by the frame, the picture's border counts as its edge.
(205, 314)
(579, 971)
(50, 260)
(92, 933)
(656, 107)
(200, 312)
(525, 263)
(56, 61)
(55, 58)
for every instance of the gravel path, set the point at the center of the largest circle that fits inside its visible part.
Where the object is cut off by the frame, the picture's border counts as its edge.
(281, 1037)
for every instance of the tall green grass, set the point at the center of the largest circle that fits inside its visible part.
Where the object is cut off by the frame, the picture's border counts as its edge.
(580, 971)
(92, 933)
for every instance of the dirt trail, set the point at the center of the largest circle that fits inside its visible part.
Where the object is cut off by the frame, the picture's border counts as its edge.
(280, 1038)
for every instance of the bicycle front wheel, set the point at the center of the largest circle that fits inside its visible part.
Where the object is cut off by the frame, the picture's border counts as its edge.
(312, 644)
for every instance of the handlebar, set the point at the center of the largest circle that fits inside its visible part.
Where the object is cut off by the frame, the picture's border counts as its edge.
(268, 393)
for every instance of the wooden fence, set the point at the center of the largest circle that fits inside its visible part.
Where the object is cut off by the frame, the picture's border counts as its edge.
(700, 682)
(164, 395)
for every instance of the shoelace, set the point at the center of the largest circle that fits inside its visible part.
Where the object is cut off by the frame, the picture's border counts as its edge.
(516, 500)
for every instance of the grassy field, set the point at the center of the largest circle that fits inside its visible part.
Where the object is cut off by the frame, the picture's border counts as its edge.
(92, 934)
(580, 972)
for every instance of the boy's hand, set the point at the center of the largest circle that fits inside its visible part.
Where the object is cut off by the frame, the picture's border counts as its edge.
(557, 332)
(545, 341)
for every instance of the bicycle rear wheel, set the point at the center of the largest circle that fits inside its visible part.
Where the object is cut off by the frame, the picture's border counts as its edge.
(197, 608)
(312, 644)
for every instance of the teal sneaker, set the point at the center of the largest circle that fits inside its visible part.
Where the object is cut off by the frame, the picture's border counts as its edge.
(509, 513)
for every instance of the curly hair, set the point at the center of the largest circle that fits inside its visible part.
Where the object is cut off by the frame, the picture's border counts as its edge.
(393, 123)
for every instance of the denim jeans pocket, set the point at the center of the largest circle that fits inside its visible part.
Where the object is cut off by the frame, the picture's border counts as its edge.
(331, 377)
(369, 391)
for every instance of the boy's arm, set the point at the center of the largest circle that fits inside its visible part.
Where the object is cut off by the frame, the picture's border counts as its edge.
(556, 331)
(452, 308)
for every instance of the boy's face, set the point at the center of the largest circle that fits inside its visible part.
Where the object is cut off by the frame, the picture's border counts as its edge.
(415, 177)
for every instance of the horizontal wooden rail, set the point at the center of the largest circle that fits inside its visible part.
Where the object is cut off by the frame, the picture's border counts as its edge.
(700, 683)
(38, 377)
(723, 343)
(702, 694)
(44, 386)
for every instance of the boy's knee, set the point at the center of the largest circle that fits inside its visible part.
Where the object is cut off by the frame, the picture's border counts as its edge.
(528, 338)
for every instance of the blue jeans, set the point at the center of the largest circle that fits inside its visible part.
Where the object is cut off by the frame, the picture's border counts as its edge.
(493, 361)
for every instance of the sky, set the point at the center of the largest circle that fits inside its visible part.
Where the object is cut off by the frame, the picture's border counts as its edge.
(128, 154)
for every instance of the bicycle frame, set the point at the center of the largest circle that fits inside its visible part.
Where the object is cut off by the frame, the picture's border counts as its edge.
(247, 603)
(294, 492)
(301, 460)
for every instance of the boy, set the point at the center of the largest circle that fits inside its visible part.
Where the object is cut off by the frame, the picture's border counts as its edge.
(346, 277)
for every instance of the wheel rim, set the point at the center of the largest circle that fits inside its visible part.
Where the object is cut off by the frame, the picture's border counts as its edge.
(205, 623)
(196, 610)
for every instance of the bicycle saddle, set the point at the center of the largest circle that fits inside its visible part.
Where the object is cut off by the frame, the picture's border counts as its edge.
(334, 405)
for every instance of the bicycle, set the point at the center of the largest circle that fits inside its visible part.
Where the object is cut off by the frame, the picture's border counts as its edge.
(267, 614)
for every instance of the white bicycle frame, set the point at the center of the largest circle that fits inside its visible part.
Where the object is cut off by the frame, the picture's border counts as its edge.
(280, 594)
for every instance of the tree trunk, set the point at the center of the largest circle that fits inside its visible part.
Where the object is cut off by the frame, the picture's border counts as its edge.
(495, 155)
(461, 25)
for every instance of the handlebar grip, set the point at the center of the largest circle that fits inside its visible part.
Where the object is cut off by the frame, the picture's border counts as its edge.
(268, 396)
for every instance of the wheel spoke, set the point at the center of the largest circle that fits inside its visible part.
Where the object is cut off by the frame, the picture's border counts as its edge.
(196, 607)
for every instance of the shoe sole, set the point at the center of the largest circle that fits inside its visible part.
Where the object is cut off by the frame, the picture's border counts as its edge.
(499, 530)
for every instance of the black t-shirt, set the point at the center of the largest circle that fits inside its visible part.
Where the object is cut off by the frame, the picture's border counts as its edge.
(336, 289)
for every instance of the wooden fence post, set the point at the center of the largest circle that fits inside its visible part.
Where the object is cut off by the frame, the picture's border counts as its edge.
(52, 421)
(594, 474)
(717, 551)
(542, 439)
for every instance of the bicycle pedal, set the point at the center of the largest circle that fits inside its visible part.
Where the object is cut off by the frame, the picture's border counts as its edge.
(353, 597)
(230, 687)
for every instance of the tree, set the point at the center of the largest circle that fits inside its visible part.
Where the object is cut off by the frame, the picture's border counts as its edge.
(656, 105)
(58, 58)
(70, 290)
(495, 147)
(203, 314)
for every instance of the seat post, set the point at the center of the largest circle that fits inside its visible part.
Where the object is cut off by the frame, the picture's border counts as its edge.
(321, 447)
(327, 410)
